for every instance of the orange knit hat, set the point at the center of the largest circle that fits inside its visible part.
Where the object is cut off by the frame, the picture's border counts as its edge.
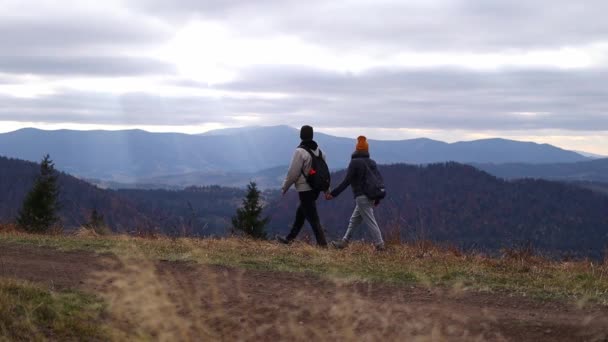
(362, 144)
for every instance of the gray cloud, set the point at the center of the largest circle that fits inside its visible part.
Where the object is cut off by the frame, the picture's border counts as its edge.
(440, 99)
(100, 108)
(20, 34)
(78, 41)
(432, 99)
(84, 65)
(7, 80)
(215, 9)
(393, 26)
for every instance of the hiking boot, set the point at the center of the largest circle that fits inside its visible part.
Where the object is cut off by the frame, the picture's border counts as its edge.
(340, 244)
(282, 240)
(380, 248)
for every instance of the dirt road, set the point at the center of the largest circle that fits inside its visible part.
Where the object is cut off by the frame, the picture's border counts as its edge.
(187, 301)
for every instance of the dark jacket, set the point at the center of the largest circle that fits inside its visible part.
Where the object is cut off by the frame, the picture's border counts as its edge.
(355, 173)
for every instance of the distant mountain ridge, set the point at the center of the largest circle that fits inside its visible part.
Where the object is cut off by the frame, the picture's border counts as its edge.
(591, 155)
(132, 155)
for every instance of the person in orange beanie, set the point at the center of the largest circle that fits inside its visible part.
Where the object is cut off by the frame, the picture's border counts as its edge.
(368, 187)
(362, 144)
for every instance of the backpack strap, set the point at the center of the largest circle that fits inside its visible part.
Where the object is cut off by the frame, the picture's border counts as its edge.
(312, 155)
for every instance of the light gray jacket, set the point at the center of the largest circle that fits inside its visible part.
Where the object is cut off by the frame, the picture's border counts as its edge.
(300, 163)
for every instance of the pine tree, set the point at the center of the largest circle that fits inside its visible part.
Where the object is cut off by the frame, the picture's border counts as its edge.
(39, 211)
(97, 223)
(247, 217)
(96, 219)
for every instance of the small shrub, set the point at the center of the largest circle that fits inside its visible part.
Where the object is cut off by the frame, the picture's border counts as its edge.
(97, 224)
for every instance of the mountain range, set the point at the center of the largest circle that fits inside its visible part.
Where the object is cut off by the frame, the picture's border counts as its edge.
(135, 156)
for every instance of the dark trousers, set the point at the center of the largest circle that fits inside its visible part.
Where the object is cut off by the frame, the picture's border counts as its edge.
(308, 211)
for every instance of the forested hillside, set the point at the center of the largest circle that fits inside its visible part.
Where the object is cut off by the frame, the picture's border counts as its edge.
(582, 171)
(193, 211)
(461, 205)
(450, 203)
(77, 198)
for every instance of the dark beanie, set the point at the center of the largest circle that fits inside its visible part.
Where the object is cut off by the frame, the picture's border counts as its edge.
(306, 133)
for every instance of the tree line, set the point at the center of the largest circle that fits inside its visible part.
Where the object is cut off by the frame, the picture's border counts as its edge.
(39, 211)
(447, 202)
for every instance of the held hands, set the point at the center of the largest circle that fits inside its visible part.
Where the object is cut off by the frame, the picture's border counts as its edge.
(328, 196)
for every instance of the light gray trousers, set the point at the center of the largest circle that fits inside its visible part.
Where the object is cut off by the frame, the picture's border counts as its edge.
(364, 212)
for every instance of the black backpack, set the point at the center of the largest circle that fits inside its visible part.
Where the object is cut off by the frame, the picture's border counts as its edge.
(373, 183)
(318, 177)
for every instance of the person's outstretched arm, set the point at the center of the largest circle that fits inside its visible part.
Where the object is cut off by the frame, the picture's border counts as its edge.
(345, 183)
(324, 156)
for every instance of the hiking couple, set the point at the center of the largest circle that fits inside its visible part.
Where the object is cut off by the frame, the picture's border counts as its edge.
(310, 175)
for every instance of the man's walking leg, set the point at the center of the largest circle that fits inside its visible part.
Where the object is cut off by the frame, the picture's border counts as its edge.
(297, 224)
(309, 206)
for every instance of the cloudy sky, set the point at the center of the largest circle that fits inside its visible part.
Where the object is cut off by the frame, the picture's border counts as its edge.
(444, 69)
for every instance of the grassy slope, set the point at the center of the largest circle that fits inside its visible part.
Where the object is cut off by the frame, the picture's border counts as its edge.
(423, 265)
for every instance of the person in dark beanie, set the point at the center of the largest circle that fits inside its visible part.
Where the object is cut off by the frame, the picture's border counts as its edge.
(364, 209)
(301, 165)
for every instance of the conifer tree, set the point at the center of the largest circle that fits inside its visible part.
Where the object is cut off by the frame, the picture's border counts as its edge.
(39, 211)
(97, 223)
(248, 218)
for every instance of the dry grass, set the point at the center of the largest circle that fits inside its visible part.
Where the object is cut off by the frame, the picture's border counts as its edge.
(29, 312)
(148, 302)
(423, 264)
(8, 228)
(158, 305)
